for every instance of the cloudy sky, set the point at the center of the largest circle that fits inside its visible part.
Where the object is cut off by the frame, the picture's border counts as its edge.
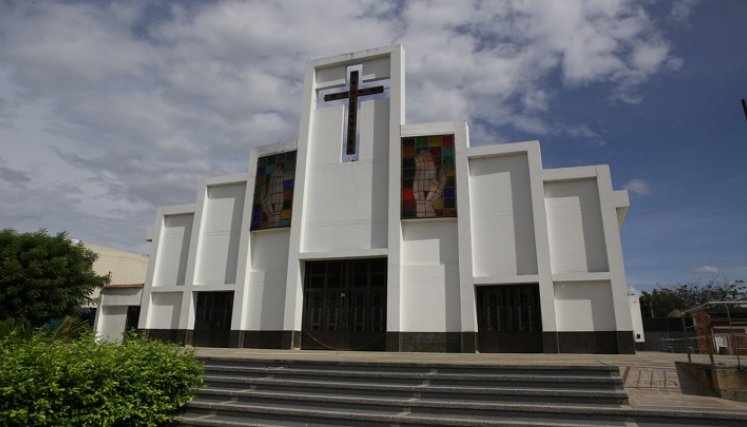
(110, 109)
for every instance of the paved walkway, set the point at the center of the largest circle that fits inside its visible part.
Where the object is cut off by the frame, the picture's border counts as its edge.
(650, 378)
(663, 386)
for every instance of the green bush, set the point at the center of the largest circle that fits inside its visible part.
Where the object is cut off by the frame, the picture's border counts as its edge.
(47, 382)
(44, 277)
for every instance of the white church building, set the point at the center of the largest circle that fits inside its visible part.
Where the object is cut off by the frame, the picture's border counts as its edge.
(371, 233)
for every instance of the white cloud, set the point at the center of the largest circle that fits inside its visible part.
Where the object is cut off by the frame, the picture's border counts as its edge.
(578, 131)
(133, 104)
(706, 269)
(61, 47)
(681, 10)
(535, 100)
(638, 187)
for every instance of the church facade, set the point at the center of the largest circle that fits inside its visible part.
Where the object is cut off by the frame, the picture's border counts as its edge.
(370, 233)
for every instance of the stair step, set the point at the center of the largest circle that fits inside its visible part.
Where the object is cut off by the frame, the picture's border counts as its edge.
(651, 417)
(618, 396)
(487, 410)
(259, 392)
(281, 415)
(412, 404)
(434, 377)
(586, 370)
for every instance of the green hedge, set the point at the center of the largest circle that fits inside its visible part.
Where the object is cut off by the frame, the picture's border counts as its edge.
(48, 382)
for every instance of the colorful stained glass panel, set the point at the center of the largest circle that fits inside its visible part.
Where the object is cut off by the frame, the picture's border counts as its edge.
(273, 191)
(428, 177)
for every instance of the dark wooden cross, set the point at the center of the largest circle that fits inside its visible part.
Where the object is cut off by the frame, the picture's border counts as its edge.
(352, 95)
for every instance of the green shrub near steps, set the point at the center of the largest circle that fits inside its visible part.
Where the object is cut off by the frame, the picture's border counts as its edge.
(48, 382)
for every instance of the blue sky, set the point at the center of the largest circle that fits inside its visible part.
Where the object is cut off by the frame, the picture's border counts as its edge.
(108, 110)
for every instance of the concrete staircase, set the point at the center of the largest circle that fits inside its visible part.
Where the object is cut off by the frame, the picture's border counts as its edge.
(257, 392)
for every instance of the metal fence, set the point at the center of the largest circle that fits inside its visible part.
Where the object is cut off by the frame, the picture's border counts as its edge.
(720, 352)
(719, 344)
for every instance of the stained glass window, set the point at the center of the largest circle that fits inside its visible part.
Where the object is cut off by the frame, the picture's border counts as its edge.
(428, 177)
(273, 191)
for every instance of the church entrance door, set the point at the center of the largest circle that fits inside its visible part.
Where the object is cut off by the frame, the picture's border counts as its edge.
(345, 305)
(212, 319)
(508, 319)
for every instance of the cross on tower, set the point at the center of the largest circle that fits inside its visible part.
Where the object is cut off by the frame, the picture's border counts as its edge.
(352, 94)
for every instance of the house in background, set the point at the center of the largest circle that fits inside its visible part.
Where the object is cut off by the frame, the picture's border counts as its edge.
(116, 307)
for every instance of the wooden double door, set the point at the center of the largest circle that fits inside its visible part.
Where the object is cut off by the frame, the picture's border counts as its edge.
(212, 319)
(345, 305)
(508, 319)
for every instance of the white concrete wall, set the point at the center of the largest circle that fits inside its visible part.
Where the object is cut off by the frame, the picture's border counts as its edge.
(347, 199)
(173, 250)
(636, 317)
(112, 323)
(574, 222)
(108, 323)
(164, 310)
(337, 73)
(503, 240)
(584, 306)
(430, 276)
(170, 256)
(268, 272)
(344, 209)
(122, 297)
(220, 231)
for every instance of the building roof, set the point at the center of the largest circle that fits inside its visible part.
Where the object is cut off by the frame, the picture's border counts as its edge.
(721, 312)
(125, 286)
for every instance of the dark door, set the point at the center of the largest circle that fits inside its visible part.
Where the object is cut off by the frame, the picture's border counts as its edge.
(213, 319)
(508, 319)
(133, 315)
(345, 305)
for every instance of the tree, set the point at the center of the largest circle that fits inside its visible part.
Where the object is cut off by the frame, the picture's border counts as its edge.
(660, 302)
(43, 276)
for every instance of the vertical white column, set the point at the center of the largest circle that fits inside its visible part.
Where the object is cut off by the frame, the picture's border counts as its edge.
(294, 284)
(613, 245)
(394, 239)
(98, 319)
(238, 316)
(145, 310)
(156, 262)
(468, 309)
(187, 309)
(542, 243)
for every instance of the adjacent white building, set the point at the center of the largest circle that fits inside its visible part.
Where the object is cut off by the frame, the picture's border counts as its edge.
(117, 305)
(368, 232)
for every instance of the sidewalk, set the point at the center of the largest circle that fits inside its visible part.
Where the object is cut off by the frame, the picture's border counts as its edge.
(650, 378)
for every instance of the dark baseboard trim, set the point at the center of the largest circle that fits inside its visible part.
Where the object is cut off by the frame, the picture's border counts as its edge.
(392, 342)
(550, 342)
(625, 342)
(597, 342)
(282, 340)
(235, 338)
(290, 340)
(178, 336)
(469, 342)
(442, 342)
